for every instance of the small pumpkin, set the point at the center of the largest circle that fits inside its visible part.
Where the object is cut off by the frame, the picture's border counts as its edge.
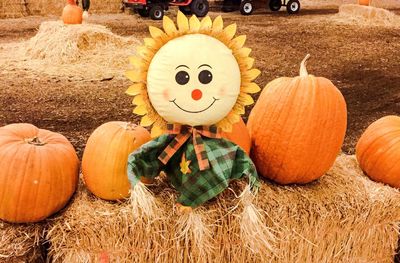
(378, 151)
(38, 175)
(297, 128)
(105, 159)
(364, 2)
(72, 14)
(239, 135)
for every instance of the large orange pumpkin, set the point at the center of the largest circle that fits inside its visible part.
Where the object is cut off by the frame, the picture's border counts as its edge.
(239, 135)
(38, 173)
(72, 14)
(378, 151)
(364, 2)
(105, 159)
(297, 128)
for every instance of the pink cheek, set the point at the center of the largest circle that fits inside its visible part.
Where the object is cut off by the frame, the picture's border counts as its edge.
(165, 94)
(221, 92)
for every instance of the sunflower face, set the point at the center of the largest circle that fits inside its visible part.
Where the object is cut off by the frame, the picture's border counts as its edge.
(195, 73)
(193, 80)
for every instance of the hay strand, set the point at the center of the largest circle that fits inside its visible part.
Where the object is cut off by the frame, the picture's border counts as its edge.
(342, 217)
(21, 242)
(254, 231)
(143, 203)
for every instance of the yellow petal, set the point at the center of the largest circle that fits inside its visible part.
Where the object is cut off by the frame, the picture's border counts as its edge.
(252, 74)
(239, 109)
(238, 42)
(135, 61)
(233, 118)
(194, 23)
(156, 32)
(251, 88)
(138, 100)
(135, 76)
(135, 89)
(246, 99)
(140, 110)
(183, 23)
(230, 31)
(150, 42)
(249, 62)
(225, 125)
(244, 52)
(156, 131)
(146, 121)
(218, 24)
(169, 26)
(144, 52)
(205, 23)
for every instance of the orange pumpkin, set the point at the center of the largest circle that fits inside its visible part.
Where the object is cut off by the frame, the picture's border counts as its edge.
(38, 175)
(239, 135)
(297, 128)
(105, 159)
(378, 151)
(364, 2)
(72, 14)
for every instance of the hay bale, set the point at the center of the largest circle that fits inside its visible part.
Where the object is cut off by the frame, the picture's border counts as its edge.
(343, 217)
(86, 51)
(366, 15)
(21, 243)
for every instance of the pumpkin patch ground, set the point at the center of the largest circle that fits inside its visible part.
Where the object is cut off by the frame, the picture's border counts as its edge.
(361, 60)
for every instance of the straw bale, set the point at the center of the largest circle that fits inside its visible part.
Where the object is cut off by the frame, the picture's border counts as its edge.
(343, 217)
(86, 51)
(366, 15)
(21, 242)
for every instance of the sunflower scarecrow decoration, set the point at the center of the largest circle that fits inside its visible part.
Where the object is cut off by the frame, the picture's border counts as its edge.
(189, 83)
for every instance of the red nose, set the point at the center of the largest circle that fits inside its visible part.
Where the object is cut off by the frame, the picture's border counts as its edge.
(197, 94)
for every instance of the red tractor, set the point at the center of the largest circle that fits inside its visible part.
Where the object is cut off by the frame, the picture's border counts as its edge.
(155, 8)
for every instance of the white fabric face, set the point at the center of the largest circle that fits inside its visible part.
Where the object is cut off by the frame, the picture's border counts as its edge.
(193, 80)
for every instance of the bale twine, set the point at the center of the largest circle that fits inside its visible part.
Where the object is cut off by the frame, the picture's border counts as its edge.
(86, 51)
(366, 15)
(343, 217)
(21, 243)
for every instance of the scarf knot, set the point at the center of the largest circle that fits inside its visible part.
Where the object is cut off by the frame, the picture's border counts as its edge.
(182, 134)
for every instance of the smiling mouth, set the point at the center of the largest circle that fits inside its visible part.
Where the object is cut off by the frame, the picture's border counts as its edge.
(173, 101)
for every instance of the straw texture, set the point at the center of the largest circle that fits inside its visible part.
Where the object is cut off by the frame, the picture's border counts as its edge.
(367, 16)
(21, 243)
(343, 217)
(87, 51)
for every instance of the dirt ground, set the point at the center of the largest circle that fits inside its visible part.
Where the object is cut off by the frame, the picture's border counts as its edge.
(362, 61)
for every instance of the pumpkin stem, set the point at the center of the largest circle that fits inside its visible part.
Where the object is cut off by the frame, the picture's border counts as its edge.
(35, 141)
(71, 2)
(303, 69)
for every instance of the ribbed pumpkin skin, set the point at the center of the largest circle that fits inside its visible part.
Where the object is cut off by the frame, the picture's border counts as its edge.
(36, 181)
(378, 151)
(297, 128)
(105, 158)
(72, 14)
(239, 135)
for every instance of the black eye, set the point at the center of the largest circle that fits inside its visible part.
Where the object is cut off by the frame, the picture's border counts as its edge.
(205, 77)
(182, 77)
